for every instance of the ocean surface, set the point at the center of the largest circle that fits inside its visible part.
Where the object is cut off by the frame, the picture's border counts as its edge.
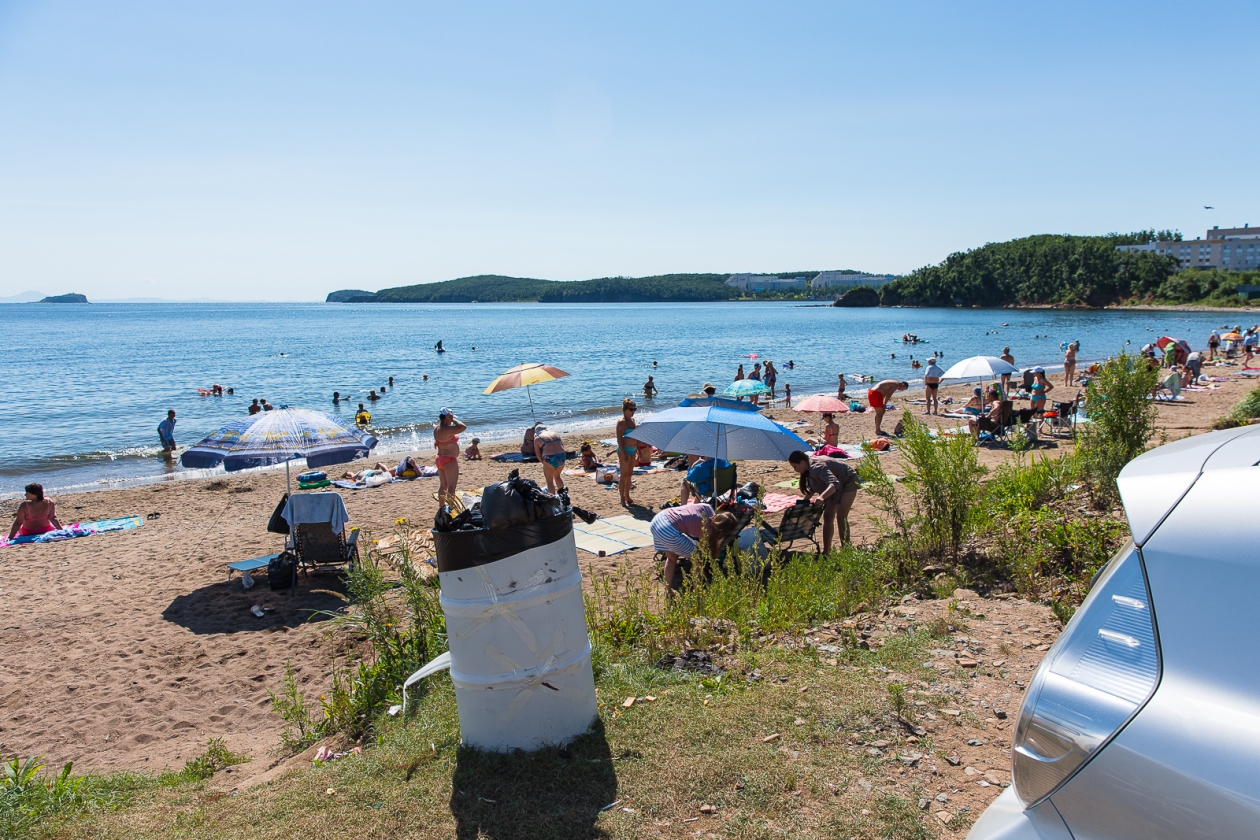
(86, 386)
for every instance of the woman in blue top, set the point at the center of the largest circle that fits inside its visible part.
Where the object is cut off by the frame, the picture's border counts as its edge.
(1040, 388)
(627, 450)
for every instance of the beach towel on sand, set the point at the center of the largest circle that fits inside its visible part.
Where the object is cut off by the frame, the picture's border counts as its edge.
(78, 529)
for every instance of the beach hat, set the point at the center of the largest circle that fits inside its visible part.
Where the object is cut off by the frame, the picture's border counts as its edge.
(1039, 370)
(446, 412)
(977, 390)
(476, 440)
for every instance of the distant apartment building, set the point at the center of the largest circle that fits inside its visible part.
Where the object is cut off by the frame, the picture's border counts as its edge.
(764, 282)
(1236, 249)
(838, 280)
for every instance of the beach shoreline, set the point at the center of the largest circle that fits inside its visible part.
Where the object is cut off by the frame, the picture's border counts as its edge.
(148, 651)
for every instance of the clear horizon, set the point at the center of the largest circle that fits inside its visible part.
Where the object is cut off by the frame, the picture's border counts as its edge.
(280, 152)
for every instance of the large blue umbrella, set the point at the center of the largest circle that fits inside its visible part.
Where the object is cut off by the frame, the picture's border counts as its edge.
(728, 434)
(720, 402)
(279, 436)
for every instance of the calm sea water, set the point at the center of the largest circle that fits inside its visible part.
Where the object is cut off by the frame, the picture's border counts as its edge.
(86, 386)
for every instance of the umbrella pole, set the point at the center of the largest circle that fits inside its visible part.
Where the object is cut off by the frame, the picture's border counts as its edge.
(531, 405)
(287, 482)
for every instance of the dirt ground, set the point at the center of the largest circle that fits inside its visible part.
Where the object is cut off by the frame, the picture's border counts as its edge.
(127, 651)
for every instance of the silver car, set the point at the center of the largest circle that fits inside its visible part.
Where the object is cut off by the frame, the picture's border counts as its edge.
(1143, 721)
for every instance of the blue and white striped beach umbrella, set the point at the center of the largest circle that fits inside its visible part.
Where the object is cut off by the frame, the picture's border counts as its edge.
(277, 437)
(725, 433)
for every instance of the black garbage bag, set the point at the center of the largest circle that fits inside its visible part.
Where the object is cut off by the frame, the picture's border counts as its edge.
(517, 501)
(503, 506)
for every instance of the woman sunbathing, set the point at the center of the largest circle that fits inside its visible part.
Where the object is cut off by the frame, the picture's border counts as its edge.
(36, 515)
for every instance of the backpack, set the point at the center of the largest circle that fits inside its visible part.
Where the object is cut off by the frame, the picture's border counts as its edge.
(281, 571)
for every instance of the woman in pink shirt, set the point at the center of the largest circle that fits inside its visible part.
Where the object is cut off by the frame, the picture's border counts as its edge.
(678, 530)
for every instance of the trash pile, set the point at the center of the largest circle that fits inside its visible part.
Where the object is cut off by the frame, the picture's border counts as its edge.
(507, 504)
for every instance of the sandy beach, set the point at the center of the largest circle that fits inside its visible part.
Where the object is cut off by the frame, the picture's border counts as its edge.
(127, 651)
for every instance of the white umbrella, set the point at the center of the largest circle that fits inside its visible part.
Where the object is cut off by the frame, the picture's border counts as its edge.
(980, 367)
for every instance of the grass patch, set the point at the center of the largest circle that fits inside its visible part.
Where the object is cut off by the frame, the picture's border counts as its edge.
(36, 803)
(701, 742)
(1244, 411)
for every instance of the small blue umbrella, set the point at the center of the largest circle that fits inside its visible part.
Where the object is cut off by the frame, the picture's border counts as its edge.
(724, 433)
(746, 388)
(275, 437)
(720, 402)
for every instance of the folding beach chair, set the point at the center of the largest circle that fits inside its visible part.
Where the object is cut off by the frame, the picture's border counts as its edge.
(1058, 420)
(1170, 388)
(319, 536)
(799, 522)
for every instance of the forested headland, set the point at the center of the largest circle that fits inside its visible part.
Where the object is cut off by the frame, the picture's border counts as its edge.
(1042, 270)
(1063, 270)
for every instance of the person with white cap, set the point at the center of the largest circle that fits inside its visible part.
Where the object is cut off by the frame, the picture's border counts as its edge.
(1040, 389)
(549, 449)
(932, 385)
(446, 438)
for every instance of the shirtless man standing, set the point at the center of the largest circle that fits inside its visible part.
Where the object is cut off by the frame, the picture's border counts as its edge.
(878, 398)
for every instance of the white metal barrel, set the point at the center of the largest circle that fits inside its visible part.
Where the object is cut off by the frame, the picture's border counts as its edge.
(516, 627)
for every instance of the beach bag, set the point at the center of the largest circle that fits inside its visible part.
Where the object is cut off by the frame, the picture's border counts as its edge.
(607, 475)
(277, 524)
(281, 571)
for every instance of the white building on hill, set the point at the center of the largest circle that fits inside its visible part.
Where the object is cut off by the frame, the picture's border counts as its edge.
(1233, 248)
(840, 280)
(836, 281)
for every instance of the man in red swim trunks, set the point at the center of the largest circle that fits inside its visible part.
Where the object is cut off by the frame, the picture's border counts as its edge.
(878, 398)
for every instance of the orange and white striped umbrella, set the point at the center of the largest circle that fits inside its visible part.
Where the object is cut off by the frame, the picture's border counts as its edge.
(524, 376)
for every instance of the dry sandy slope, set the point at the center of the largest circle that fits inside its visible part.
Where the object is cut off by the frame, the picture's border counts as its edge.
(128, 650)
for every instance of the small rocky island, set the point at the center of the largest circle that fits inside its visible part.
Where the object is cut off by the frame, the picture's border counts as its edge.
(71, 298)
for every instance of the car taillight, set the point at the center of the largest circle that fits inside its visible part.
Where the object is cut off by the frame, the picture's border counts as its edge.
(1103, 668)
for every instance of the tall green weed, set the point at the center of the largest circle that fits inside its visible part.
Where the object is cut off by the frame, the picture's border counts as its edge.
(1121, 417)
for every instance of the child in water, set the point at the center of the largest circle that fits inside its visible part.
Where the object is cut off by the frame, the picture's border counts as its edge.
(473, 452)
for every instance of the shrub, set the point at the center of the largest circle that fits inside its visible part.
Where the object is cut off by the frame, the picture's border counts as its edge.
(629, 611)
(402, 633)
(943, 480)
(1121, 417)
(1244, 411)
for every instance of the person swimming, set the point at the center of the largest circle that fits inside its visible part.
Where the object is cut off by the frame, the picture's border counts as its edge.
(438, 347)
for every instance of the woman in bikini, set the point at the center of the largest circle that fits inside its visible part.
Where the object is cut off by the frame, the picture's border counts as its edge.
(549, 449)
(627, 450)
(446, 437)
(36, 515)
(1069, 363)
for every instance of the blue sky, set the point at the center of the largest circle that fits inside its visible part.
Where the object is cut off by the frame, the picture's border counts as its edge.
(279, 151)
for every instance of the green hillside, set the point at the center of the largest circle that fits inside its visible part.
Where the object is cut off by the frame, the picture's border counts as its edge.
(494, 288)
(1040, 270)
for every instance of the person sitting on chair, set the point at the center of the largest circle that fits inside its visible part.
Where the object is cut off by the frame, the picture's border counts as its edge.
(987, 422)
(699, 479)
